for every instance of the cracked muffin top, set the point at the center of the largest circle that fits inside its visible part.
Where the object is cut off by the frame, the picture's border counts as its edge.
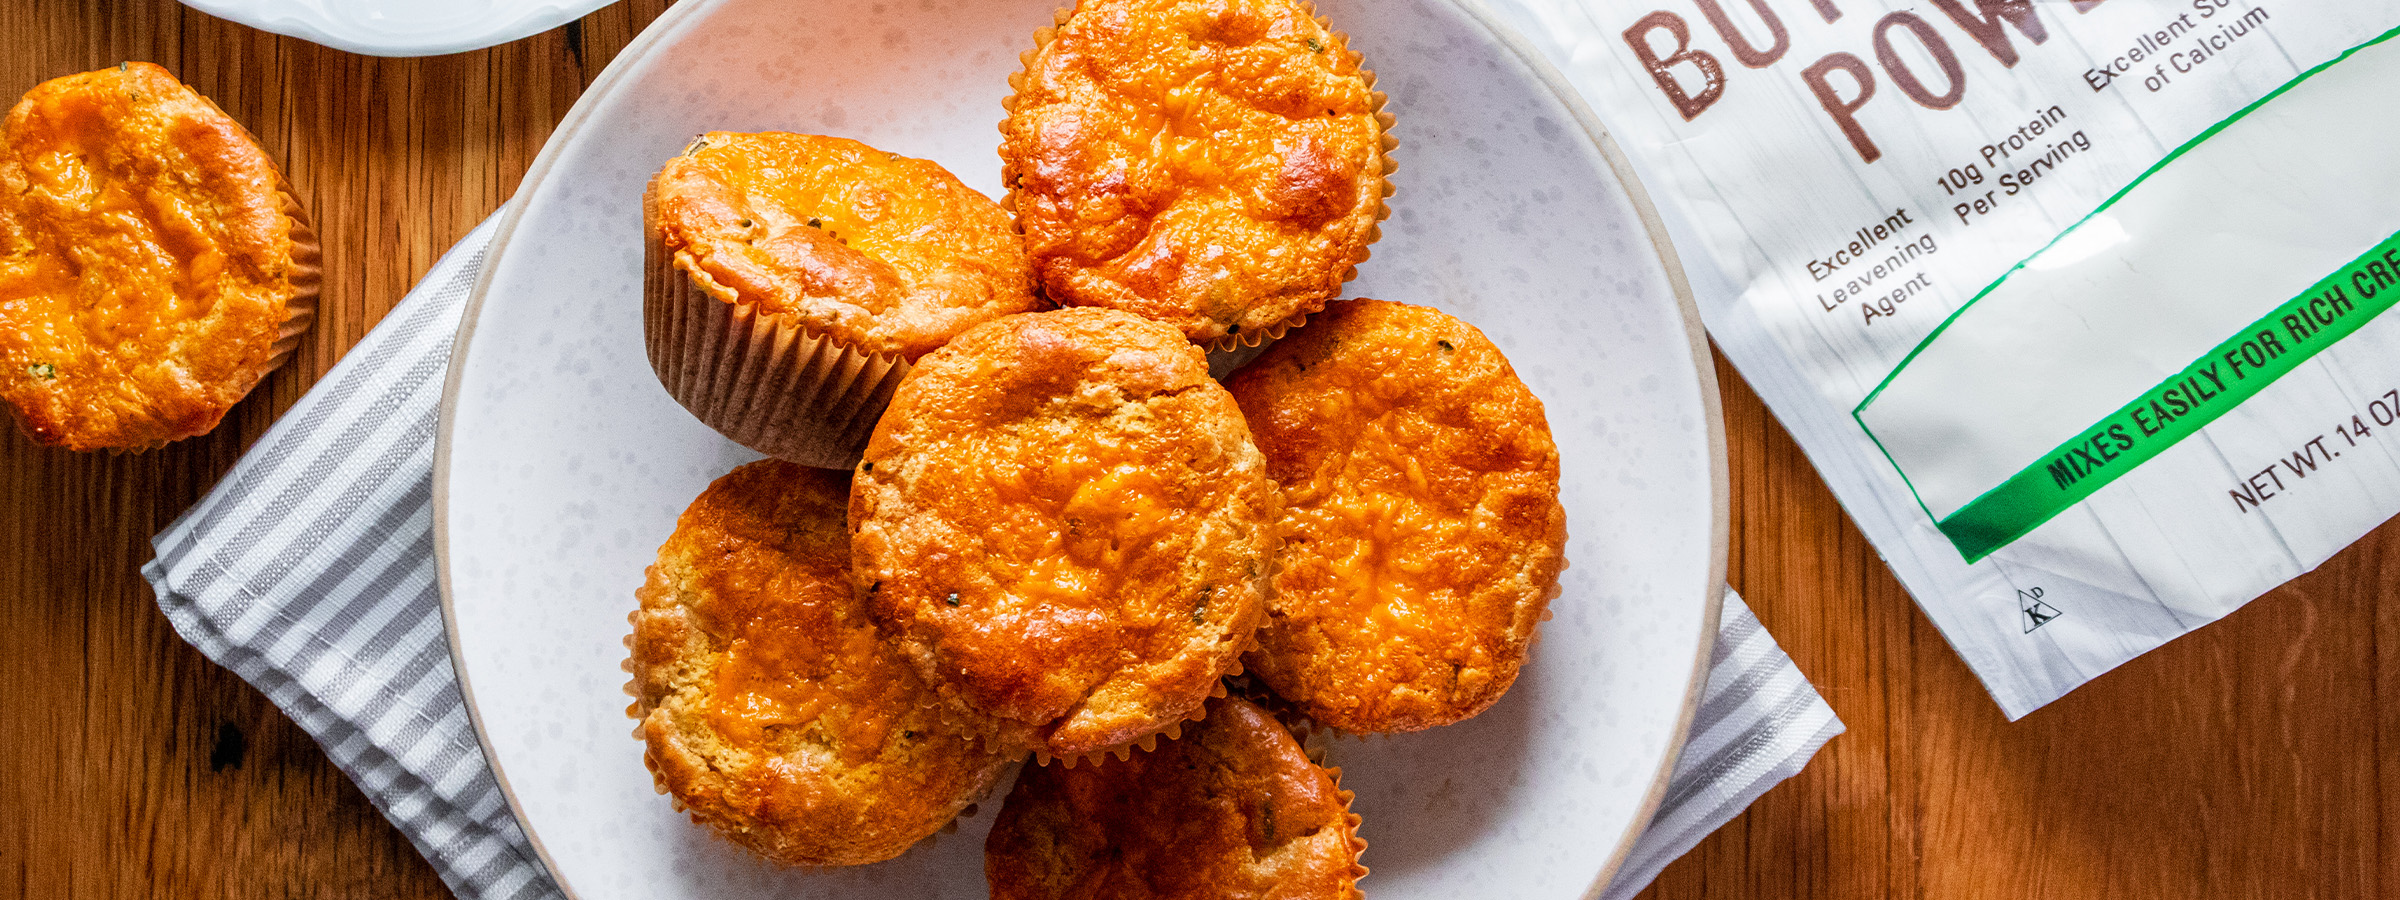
(1063, 522)
(1217, 165)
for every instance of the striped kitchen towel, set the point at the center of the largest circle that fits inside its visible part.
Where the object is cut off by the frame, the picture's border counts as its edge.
(309, 571)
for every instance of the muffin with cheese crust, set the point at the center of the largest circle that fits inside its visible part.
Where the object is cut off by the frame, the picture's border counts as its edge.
(1232, 810)
(1063, 522)
(154, 265)
(771, 708)
(790, 278)
(1424, 533)
(1218, 165)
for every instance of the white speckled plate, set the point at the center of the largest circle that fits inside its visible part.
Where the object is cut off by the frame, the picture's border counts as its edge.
(401, 27)
(562, 463)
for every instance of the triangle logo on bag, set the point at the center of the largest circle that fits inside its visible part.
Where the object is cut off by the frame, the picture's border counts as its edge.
(2036, 613)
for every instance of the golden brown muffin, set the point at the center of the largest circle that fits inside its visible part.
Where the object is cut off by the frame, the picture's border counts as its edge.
(153, 264)
(772, 709)
(1217, 165)
(1424, 532)
(1231, 811)
(1065, 525)
(790, 276)
(883, 252)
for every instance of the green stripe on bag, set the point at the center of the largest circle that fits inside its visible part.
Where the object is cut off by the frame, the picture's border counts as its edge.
(2180, 406)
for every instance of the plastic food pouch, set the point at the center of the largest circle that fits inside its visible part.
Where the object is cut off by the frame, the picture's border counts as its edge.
(2077, 304)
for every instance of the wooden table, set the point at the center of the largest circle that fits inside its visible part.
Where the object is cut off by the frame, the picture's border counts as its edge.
(2259, 757)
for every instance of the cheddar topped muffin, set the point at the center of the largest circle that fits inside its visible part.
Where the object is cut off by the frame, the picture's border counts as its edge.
(1217, 165)
(153, 263)
(1064, 523)
(1233, 810)
(887, 253)
(790, 277)
(1424, 533)
(772, 709)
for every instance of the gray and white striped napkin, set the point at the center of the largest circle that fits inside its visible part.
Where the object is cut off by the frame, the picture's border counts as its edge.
(309, 571)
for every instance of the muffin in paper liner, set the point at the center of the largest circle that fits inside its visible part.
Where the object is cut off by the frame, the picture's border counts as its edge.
(1063, 522)
(770, 709)
(207, 285)
(1413, 459)
(761, 380)
(307, 279)
(789, 279)
(1232, 216)
(1236, 807)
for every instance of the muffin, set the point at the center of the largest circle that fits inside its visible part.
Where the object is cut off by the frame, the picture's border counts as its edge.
(1064, 524)
(789, 279)
(1424, 533)
(153, 263)
(1231, 811)
(1219, 167)
(770, 707)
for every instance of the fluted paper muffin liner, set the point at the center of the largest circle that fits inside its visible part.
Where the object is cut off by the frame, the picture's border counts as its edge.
(760, 378)
(307, 277)
(1172, 731)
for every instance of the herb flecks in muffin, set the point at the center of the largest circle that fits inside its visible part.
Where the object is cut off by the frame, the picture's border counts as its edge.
(44, 371)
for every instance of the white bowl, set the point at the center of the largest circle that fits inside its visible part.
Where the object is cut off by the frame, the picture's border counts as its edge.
(401, 27)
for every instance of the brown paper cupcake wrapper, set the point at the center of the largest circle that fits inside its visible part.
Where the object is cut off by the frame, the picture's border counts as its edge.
(1382, 163)
(1172, 731)
(1384, 122)
(1243, 340)
(307, 278)
(761, 379)
(1358, 845)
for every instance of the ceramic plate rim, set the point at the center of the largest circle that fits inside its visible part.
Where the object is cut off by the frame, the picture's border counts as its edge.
(679, 16)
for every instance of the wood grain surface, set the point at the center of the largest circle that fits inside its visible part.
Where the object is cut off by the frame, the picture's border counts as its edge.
(2259, 757)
